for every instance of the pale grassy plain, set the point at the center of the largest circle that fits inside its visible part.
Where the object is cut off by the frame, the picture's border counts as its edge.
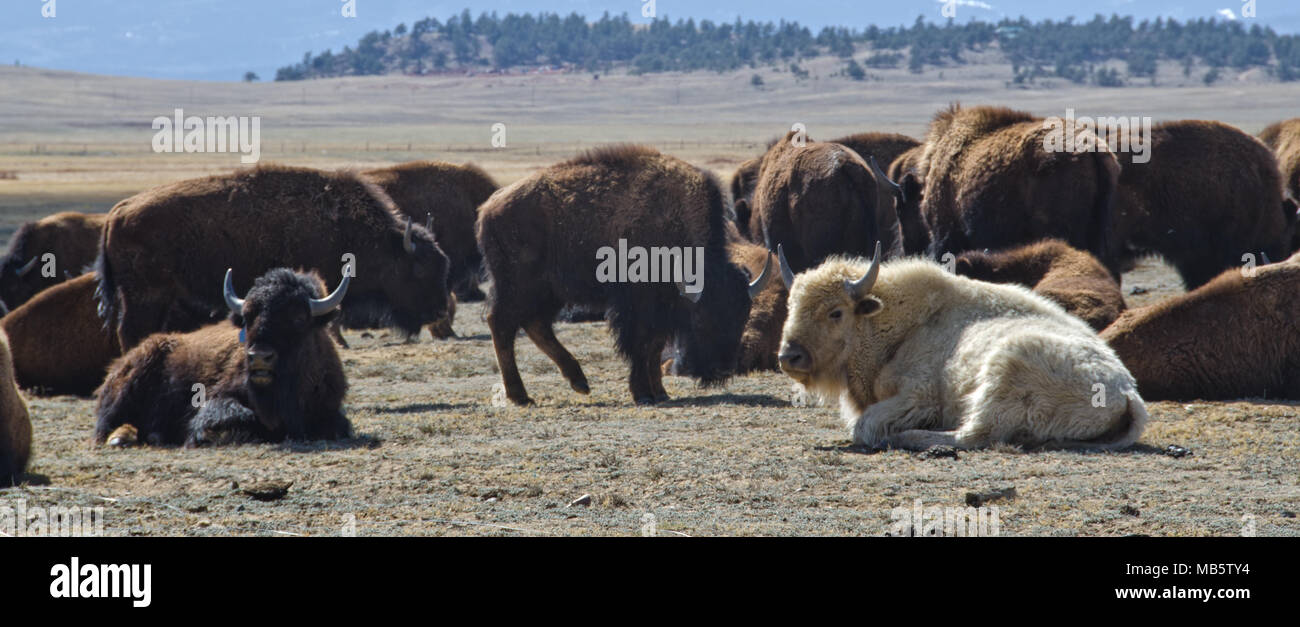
(435, 455)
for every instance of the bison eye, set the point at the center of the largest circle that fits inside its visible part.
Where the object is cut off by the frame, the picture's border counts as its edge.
(837, 314)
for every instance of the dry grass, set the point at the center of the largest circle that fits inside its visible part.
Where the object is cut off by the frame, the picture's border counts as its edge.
(435, 455)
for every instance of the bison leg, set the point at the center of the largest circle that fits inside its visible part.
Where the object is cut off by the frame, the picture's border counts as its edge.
(336, 332)
(656, 370)
(224, 421)
(503, 340)
(646, 379)
(543, 335)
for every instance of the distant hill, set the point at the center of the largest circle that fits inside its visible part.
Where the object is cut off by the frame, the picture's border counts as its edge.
(1082, 52)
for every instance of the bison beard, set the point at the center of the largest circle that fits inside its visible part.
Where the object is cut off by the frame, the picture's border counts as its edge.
(284, 381)
(539, 238)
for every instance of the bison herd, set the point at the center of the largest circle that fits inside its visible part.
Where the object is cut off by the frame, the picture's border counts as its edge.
(990, 310)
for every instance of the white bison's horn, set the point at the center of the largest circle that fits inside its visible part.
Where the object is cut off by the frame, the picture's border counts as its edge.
(322, 306)
(787, 276)
(881, 176)
(406, 237)
(234, 302)
(27, 267)
(860, 288)
(763, 277)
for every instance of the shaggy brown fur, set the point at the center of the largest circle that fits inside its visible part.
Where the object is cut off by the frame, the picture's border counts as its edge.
(762, 337)
(59, 344)
(73, 238)
(742, 196)
(885, 147)
(1209, 195)
(452, 194)
(906, 171)
(164, 249)
(15, 424)
(540, 239)
(269, 372)
(1284, 138)
(1234, 337)
(821, 200)
(1072, 278)
(989, 183)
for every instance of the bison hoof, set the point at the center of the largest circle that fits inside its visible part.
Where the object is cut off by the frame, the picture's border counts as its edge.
(646, 400)
(522, 401)
(659, 398)
(123, 436)
(580, 386)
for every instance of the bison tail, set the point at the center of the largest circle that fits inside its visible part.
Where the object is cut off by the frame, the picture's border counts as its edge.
(1127, 429)
(105, 289)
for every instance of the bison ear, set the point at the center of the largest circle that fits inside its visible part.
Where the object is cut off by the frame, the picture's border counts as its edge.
(962, 267)
(868, 306)
(237, 319)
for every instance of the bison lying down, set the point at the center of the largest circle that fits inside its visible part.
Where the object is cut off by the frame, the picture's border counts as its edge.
(921, 357)
(73, 239)
(1234, 337)
(59, 344)
(15, 425)
(269, 373)
(1072, 278)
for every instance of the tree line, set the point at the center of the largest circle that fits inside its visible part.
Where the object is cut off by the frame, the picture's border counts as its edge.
(1077, 51)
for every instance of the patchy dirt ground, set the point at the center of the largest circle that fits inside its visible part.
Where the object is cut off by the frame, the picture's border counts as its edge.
(435, 455)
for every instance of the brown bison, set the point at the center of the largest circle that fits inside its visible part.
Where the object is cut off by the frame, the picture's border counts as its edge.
(1210, 195)
(550, 240)
(885, 147)
(164, 248)
(15, 424)
(72, 240)
(990, 182)
(269, 373)
(823, 199)
(59, 344)
(1234, 337)
(1072, 278)
(445, 197)
(1284, 138)
(906, 171)
(742, 195)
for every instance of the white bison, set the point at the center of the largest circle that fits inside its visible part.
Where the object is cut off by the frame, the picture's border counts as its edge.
(921, 357)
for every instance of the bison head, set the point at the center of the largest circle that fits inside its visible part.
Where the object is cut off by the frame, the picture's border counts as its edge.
(830, 308)
(276, 316)
(708, 343)
(413, 288)
(20, 271)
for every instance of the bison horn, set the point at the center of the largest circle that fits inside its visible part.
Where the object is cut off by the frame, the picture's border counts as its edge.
(406, 237)
(881, 176)
(234, 302)
(763, 277)
(322, 306)
(787, 276)
(428, 222)
(860, 288)
(27, 267)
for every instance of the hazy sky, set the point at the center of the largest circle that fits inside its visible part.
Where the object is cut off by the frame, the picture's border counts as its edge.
(221, 39)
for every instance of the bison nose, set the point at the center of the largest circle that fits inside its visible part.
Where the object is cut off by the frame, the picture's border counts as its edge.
(794, 358)
(261, 359)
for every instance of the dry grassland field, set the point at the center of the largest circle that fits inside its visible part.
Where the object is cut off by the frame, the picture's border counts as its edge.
(435, 454)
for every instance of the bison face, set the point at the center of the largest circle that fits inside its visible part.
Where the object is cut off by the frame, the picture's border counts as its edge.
(418, 281)
(708, 346)
(277, 316)
(830, 308)
(20, 279)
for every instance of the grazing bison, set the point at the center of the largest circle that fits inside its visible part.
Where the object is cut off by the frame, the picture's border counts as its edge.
(1071, 278)
(822, 199)
(549, 239)
(1210, 195)
(742, 195)
(906, 171)
(1234, 337)
(15, 425)
(991, 183)
(268, 373)
(72, 239)
(445, 197)
(1284, 138)
(59, 344)
(162, 247)
(921, 357)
